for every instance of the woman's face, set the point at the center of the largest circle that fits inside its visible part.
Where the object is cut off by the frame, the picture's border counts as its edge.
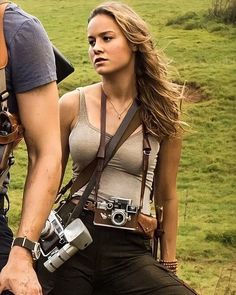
(109, 50)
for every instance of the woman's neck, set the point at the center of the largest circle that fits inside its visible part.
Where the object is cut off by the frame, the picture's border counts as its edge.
(119, 90)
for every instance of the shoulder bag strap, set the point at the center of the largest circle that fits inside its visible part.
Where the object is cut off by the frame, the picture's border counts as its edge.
(146, 154)
(4, 56)
(129, 124)
(159, 216)
(85, 174)
(114, 145)
(3, 88)
(102, 146)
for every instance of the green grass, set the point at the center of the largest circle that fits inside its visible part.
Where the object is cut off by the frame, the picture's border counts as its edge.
(203, 53)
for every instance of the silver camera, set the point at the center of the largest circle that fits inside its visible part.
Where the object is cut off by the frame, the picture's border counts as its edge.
(116, 212)
(58, 244)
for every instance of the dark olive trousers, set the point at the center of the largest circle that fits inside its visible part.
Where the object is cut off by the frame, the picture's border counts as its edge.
(117, 262)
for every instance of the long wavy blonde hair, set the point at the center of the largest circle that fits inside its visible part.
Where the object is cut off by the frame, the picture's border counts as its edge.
(159, 97)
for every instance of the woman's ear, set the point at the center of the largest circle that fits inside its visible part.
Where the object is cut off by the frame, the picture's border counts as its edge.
(134, 47)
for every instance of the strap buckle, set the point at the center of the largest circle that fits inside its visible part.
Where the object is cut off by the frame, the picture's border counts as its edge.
(147, 152)
(3, 92)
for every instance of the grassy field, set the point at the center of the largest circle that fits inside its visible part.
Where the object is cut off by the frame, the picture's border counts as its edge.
(203, 54)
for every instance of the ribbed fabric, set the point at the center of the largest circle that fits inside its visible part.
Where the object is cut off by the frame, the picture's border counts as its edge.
(122, 177)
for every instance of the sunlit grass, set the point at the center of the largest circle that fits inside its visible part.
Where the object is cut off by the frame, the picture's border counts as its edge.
(204, 54)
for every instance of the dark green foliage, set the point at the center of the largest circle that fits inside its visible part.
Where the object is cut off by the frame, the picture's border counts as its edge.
(227, 238)
(214, 19)
(224, 10)
(179, 20)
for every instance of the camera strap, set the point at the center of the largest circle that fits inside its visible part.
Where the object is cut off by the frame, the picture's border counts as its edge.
(129, 124)
(3, 57)
(156, 242)
(3, 102)
(146, 154)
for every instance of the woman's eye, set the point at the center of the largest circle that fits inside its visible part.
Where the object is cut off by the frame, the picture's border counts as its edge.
(91, 42)
(107, 38)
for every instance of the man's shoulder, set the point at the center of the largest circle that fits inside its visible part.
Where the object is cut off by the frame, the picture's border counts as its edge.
(16, 18)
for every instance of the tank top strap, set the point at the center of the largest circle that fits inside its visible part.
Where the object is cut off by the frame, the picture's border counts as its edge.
(82, 104)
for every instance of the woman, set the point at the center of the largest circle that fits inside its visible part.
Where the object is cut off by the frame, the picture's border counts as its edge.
(119, 261)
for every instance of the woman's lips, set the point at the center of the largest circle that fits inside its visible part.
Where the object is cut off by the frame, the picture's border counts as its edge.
(99, 60)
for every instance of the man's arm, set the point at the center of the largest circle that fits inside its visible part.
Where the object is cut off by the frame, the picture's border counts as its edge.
(39, 114)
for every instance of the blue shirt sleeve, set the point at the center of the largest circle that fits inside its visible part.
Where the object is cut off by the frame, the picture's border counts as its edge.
(32, 58)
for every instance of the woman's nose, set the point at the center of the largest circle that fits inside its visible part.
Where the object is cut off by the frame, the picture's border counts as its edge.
(97, 47)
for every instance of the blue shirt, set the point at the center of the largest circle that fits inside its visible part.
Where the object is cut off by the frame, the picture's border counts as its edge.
(31, 61)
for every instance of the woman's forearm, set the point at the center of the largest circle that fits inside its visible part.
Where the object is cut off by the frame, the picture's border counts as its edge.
(170, 222)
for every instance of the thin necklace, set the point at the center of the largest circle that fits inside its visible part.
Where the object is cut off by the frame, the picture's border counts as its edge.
(119, 114)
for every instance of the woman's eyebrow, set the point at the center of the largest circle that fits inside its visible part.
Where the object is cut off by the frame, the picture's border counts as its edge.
(102, 33)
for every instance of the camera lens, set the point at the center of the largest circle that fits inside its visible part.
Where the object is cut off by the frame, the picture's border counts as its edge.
(6, 126)
(118, 217)
(47, 231)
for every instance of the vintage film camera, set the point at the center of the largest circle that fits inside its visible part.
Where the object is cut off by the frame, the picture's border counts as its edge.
(58, 244)
(116, 212)
(11, 133)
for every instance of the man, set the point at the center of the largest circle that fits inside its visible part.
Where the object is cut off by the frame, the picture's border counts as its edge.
(31, 81)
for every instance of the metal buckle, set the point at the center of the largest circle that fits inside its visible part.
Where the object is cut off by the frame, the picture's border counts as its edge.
(147, 152)
(3, 88)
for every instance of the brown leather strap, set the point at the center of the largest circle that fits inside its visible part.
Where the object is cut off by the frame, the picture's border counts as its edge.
(156, 245)
(86, 173)
(16, 132)
(114, 145)
(11, 137)
(3, 47)
(101, 150)
(146, 154)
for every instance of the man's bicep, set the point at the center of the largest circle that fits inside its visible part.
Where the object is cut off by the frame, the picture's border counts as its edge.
(39, 115)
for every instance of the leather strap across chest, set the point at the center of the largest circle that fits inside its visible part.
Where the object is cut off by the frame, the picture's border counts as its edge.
(105, 152)
(101, 152)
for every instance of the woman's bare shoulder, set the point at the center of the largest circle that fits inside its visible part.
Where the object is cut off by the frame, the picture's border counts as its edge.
(69, 98)
(92, 91)
(69, 107)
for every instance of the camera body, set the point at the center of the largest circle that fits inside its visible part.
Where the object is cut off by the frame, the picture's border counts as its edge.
(58, 244)
(11, 133)
(116, 212)
(52, 236)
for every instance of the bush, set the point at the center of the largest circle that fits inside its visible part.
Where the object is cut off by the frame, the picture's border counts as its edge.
(179, 20)
(224, 10)
(227, 238)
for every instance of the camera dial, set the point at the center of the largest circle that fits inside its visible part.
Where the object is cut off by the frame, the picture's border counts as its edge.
(109, 206)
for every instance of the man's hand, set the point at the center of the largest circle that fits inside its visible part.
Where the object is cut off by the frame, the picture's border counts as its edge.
(18, 276)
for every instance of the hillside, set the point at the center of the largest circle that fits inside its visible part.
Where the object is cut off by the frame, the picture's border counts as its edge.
(202, 53)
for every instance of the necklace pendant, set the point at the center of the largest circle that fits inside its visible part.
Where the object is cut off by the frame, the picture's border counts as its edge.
(119, 117)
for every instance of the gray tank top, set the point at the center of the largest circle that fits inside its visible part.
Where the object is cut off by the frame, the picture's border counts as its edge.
(123, 175)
